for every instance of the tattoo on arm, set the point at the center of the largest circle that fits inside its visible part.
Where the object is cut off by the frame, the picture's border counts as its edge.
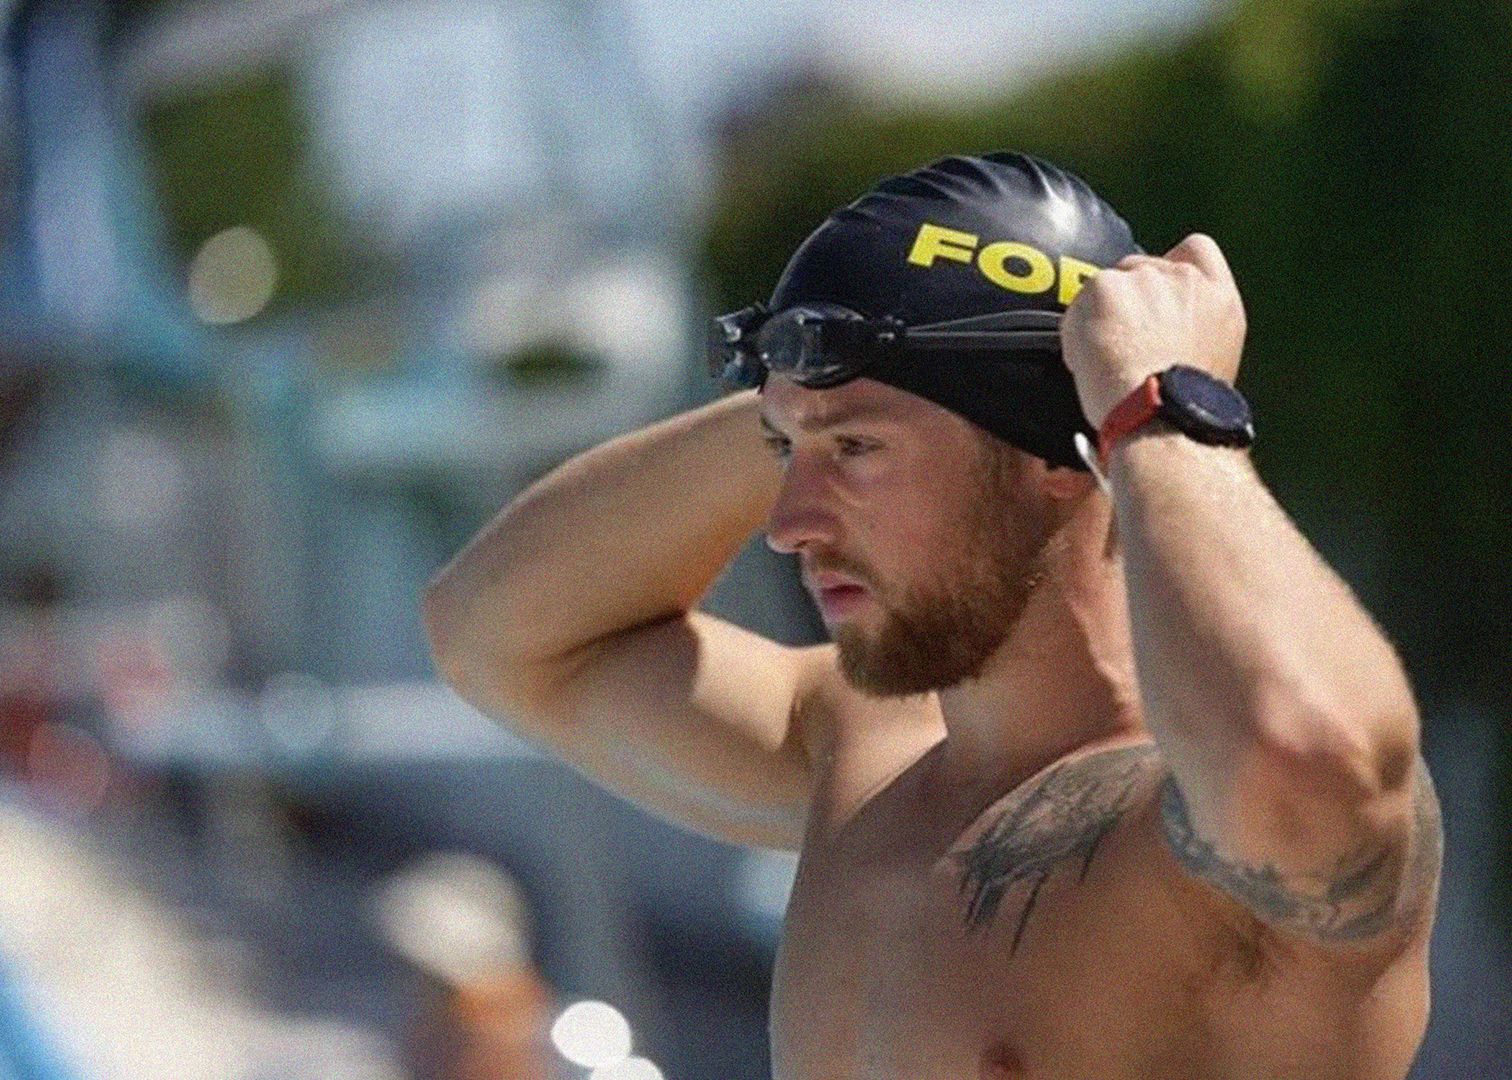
(1362, 895)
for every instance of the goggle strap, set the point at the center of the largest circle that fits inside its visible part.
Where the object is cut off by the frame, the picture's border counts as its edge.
(995, 321)
(985, 339)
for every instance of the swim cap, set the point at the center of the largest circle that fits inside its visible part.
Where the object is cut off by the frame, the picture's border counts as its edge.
(968, 236)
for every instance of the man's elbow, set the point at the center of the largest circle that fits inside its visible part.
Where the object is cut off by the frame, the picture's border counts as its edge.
(438, 618)
(461, 664)
(500, 684)
(453, 629)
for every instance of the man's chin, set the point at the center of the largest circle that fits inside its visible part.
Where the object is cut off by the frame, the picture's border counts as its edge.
(877, 670)
(897, 657)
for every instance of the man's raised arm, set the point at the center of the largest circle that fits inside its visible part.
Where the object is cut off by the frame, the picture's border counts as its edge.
(570, 617)
(1284, 713)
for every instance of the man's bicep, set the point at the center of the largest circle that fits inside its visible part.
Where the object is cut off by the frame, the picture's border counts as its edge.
(1377, 892)
(695, 719)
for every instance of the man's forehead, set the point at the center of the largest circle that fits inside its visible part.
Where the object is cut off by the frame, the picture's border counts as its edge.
(785, 404)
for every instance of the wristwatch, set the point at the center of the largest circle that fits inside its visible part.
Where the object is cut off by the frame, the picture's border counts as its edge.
(1190, 400)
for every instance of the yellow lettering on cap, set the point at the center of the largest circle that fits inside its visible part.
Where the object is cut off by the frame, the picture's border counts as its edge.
(1073, 275)
(993, 261)
(936, 241)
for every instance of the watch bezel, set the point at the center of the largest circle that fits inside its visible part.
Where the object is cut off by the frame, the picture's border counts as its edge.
(1179, 408)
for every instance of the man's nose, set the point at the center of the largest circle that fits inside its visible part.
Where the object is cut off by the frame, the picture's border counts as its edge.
(800, 516)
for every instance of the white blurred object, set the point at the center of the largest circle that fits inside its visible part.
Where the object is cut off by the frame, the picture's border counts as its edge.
(635, 1068)
(628, 309)
(299, 711)
(457, 917)
(132, 989)
(632, 310)
(960, 49)
(232, 277)
(220, 728)
(420, 107)
(593, 1034)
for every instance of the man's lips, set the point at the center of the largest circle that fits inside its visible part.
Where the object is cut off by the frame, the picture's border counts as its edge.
(832, 579)
(837, 594)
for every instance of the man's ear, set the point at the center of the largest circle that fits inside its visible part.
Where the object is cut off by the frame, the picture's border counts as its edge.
(1063, 484)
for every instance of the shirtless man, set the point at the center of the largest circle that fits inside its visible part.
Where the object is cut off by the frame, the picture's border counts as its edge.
(1092, 783)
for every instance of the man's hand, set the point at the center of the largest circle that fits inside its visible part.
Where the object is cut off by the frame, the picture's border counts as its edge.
(1148, 312)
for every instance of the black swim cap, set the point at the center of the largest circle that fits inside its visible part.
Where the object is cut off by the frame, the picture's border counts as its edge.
(960, 237)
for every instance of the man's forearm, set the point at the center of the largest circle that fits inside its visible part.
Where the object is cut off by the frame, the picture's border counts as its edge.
(627, 533)
(1263, 679)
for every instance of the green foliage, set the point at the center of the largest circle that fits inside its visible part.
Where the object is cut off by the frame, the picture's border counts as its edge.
(1352, 160)
(235, 154)
(547, 363)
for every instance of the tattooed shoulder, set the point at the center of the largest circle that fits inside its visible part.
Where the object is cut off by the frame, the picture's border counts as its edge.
(1058, 819)
(1366, 893)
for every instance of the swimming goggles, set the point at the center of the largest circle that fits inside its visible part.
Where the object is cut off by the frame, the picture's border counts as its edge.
(822, 345)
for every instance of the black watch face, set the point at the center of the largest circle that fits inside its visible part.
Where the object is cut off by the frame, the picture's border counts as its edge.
(1202, 404)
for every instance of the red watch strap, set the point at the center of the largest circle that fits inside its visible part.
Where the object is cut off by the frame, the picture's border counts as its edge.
(1129, 415)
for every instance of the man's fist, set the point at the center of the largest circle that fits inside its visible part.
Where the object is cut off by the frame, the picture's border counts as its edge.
(1148, 312)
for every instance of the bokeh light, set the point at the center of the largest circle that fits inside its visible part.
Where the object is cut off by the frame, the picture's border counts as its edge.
(233, 277)
(635, 1068)
(456, 916)
(593, 1034)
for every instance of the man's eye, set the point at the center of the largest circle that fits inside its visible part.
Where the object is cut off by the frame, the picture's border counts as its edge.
(850, 447)
(781, 448)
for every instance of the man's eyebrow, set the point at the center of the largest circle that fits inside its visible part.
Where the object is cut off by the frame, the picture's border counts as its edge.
(844, 415)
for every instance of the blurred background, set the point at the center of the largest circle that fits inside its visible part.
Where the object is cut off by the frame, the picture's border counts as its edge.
(295, 294)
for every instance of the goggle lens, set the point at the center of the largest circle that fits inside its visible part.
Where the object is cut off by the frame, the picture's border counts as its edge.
(799, 344)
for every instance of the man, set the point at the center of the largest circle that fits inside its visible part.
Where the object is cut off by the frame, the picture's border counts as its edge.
(1091, 783)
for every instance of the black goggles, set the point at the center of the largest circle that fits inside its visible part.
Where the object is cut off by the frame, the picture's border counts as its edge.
(822, 345)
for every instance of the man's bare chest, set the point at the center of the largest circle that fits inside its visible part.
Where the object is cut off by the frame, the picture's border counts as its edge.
(982, 948)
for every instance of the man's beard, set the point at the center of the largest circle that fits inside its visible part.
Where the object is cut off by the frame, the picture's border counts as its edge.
(938, 639)
(943, 633)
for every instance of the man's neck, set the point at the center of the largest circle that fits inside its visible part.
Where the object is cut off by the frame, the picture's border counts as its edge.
(1063, 678)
